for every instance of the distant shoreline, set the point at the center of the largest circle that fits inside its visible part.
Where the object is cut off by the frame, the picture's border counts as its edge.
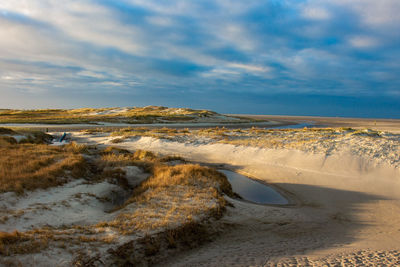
(77, 127)
(392, 125)
(269, 121)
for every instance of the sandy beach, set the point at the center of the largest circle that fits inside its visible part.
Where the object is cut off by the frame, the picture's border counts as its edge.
(346, 211)
(392, 125)
(343, 187)
(136, 133)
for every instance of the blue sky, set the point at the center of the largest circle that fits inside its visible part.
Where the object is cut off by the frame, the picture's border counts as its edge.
(317, 57)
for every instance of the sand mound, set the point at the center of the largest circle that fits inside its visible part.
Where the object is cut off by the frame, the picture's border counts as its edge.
(347, 210)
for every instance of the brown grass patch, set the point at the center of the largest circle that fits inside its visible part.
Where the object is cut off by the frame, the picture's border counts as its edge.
(159, 133)
(35, 137)
(117, 157)
(171, 206)
(173, 196)
(31, 166)
(111, 160)
(7, 140)
(31, 136)
(148, 114)
(186, 175)
(172, 158)
(19, 243)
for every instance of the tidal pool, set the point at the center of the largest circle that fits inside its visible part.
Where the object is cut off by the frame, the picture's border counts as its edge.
(252, 190)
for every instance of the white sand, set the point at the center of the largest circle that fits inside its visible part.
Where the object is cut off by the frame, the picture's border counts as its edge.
(75, 203)
(347, 212)
(346, 193)
(109, 112)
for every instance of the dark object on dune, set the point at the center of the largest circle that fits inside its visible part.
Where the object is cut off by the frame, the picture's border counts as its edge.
(63, 137)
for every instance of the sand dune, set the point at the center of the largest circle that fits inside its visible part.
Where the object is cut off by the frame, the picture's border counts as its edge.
(347, 208)
(343, 188)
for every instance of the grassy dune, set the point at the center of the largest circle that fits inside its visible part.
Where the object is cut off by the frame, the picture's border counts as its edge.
(32, 164)
(170, 208)
(148, 114)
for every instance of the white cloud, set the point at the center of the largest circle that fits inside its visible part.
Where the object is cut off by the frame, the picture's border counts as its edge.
(233, 71)
(7, 77)
(177, 7)
(375, 12)
(89, 43)
(92, 74)
(160, 21)
(363, 42)
(222, 73)
(232, 34)
(111, 83)
(82, 21)
(248, 67)
(315, 13)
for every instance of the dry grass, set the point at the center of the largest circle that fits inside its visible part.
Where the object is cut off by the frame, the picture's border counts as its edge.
(113, 157)
(165, 133)
(172, 203)
(173, 196)
(36, 240)
(186, 175)
(171, 112)
(172, 159)
(7, 140)
(32, 166)
(35, 137)
(148, 114)
(314, 139)
(216, 133)
(31, 136)
(20, 243)
(171, 206)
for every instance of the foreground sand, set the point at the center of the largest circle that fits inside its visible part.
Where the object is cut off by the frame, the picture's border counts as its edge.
(346, 211)
(344, 187)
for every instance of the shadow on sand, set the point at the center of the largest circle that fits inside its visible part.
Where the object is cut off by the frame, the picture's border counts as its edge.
(324, 218)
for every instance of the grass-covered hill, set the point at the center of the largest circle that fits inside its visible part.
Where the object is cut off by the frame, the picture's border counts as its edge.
(149, 114)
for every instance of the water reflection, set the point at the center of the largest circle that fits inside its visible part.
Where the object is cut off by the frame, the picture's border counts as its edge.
(252, 190)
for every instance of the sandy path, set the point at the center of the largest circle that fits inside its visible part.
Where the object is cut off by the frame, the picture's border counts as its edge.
(348, 210)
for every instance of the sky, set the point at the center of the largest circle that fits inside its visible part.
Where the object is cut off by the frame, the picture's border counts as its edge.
(299, 57)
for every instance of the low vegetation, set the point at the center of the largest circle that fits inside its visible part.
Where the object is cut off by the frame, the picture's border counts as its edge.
(149, 114)
(20, 243)
(322, 140)
(164, 133)
(173, 196)
(365, 142)
(32, 164)
(29, 167)
(169, 210)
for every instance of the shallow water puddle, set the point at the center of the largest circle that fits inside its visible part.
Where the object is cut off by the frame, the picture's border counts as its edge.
(252, 190)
